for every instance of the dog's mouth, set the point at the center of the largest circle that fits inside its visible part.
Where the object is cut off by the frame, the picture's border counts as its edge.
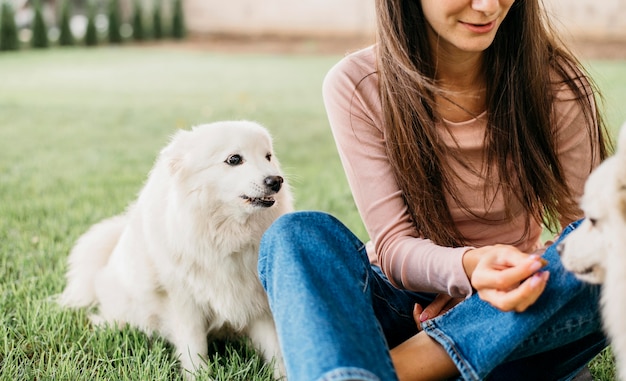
(263, 202)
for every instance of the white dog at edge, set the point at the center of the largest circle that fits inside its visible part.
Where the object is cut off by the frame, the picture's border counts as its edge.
(596, 251)
(182, 260)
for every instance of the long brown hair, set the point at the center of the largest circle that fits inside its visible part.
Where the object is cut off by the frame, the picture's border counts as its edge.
(520, 94)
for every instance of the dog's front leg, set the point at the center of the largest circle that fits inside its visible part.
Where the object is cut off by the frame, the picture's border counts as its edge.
(186, 328)
(262, 333)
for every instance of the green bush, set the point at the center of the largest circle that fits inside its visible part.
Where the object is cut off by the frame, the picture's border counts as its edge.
(66, 38)
(8, 29)
(157, 20)
(138, 29)
(40, 29)
(91, 33)
(115, 37)
(178, 20)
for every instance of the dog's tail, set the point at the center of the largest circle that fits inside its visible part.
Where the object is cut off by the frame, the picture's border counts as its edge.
(89, 255)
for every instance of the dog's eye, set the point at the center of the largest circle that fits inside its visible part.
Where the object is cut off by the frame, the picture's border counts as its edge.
(593, 221)
(234, 160)
(268, 157)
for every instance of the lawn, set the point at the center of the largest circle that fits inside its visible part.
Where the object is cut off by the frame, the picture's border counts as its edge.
(79, 130)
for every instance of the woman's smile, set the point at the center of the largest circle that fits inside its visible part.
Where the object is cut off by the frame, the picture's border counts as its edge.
(463, 25)
(479, 28)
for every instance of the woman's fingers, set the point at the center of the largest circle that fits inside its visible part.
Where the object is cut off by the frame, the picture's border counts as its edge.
(439, 306)
(519, 298)
(505, 274)
(436, 307)
(509, 279)
(417, 312)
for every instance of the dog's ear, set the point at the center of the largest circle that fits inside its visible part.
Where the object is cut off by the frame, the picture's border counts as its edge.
(174, 153)
(176, 164)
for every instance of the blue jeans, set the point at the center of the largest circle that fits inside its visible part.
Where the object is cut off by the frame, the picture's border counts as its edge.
(337, 315)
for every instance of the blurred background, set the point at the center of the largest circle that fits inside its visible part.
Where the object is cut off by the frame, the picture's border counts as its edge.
(91, 90)
(582, 21)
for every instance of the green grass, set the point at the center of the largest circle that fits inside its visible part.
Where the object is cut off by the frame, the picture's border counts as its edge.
(79, 130)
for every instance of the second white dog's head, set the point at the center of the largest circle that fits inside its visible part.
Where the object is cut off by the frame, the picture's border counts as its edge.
(227, 167)
(586, 250)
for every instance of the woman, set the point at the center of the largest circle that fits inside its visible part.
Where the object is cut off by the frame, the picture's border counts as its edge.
(463, 132)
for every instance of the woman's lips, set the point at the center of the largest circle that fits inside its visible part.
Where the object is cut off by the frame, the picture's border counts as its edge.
(480, 28)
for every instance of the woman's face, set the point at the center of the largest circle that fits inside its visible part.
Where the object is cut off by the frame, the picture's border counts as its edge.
(464, 25)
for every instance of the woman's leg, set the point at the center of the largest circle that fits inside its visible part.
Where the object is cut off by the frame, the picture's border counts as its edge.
(480, 338)
(332, 310)
(555, 365)
(542, 357)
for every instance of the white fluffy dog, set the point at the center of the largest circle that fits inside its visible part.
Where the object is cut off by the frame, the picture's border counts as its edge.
(596, 251)
(181, 261)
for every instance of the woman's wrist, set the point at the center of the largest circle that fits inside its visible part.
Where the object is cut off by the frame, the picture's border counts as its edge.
(470, 260)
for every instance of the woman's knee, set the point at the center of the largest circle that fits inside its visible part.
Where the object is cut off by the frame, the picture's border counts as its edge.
(308, 229)
(286, 239)
(294, 223)
(305, 238)
(305, 221)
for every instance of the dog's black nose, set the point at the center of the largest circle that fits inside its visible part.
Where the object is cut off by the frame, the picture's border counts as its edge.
(273, 182)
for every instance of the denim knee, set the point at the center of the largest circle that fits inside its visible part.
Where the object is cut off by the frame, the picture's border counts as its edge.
(312, 232)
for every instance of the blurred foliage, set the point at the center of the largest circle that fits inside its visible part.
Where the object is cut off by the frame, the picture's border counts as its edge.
(8, 28)
(115, 37)
(101, 20)
(66, 38)
(157, 20)
(40, 29)
(178, 20)
(91, 32)
(138, 27)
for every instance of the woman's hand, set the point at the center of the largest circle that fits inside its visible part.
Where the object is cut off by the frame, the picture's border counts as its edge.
(442, 304)
(407, 356)
(505, 277)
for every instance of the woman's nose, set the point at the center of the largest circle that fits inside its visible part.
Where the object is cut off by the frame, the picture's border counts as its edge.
(486, 6)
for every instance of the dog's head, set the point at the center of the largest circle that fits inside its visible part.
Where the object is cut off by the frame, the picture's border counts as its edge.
(227, 166)
(586, 249)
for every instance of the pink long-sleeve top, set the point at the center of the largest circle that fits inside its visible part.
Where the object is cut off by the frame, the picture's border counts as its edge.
(352, 101)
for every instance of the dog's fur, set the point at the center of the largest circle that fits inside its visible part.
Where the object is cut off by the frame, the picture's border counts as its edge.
(596, 251)
(181, 261)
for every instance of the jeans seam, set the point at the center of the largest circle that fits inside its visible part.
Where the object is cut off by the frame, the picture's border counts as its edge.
(465, 369)
(539, 339)
(261, 269)
(366, 280)
(391, 306)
